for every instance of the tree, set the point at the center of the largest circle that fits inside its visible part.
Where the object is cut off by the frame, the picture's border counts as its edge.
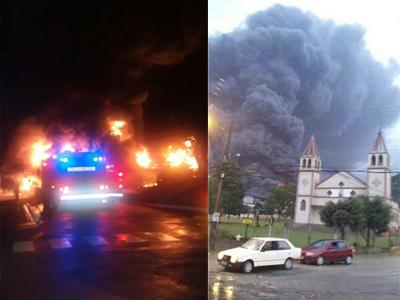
(340, 215)
(376, 217)
(281, 200)
(232, 191)
(359, 214)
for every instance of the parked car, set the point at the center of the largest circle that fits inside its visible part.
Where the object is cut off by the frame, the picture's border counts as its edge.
(258, 252)
(323, 251)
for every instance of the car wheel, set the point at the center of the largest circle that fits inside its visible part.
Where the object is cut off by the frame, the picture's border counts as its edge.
(288, 264)
(247, 266)
(348, 260)
(320, 261)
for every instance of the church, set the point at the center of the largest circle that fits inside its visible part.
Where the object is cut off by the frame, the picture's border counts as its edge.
(313, 193)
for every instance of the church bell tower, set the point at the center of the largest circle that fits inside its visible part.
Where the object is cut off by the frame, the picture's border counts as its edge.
(308, 177)
(379, 179)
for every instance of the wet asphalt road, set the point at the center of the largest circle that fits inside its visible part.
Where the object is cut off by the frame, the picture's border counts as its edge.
(129, 252)
(369, 277)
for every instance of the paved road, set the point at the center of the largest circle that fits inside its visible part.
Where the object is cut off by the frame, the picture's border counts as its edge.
(369, 277)
(131, 252)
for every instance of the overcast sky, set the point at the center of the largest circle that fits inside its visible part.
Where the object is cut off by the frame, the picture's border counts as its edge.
(381, 19)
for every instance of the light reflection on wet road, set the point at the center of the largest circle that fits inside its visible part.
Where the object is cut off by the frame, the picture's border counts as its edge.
(130, 252)
(369, 277)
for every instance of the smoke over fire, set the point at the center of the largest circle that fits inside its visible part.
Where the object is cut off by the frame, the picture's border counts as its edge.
(286, 75)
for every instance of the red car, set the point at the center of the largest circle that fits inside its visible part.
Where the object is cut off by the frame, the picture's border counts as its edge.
(322, 251)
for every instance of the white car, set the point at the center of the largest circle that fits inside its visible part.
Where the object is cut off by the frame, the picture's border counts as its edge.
(258, 252)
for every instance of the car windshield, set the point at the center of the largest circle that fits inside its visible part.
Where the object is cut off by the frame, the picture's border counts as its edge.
(253, 244)
(319, 244)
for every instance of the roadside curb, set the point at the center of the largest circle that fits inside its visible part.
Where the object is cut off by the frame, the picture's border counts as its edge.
(179, 207)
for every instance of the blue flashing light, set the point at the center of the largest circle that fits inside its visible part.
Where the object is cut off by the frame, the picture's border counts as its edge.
(81, 162)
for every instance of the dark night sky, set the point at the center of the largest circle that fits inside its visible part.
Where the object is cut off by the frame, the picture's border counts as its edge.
(63, 61)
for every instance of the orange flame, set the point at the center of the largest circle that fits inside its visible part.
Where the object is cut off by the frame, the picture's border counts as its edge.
(143, 158)
(40, 152)
(116, 127)
(28, 182)
(182, 156)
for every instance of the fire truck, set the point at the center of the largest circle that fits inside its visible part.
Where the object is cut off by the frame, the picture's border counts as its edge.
(79, 179)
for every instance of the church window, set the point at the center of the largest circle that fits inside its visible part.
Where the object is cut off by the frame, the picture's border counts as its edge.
(303, 205)
(304, 163)
(373, 160)
(329, 193)
(316, 164)
(380, 160)
(340, 194)
(352, 193)
(341, 184)
(309, 163)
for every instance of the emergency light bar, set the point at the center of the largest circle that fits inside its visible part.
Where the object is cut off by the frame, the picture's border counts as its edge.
(90, 196)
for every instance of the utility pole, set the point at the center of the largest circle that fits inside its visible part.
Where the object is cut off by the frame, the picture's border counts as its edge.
(213, 231)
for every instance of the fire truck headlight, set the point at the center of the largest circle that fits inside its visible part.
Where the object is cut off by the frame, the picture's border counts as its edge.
(65, 190)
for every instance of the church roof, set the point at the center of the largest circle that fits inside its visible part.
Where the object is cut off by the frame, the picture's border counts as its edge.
(379, 144)
(346, 174)
(311, 148)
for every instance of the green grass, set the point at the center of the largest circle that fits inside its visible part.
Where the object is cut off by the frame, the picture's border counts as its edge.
(298, 236)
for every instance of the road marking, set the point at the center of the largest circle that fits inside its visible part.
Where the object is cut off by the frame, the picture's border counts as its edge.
(129, 238)
(26, 246)
(95, 240)
(60, 243)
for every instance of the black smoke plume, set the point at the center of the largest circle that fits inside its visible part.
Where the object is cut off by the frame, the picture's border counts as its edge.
(287, 74)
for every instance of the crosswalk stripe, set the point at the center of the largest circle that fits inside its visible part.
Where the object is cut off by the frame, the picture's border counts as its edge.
(60, 243)
(96, 240)
(24, 246)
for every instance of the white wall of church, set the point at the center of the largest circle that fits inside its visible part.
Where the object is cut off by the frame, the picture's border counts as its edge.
(301, 216)
(336, 192)
(379, 183)
(304, 186)
(315, 217)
